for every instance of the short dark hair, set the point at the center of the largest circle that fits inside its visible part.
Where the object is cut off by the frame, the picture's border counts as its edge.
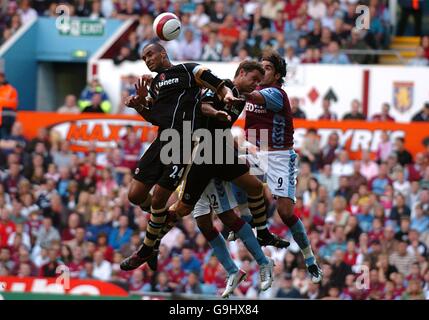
(278, 62)
(159, 47)
(249, 66)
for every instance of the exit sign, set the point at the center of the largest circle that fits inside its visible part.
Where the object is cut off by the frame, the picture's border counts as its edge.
(81, 27)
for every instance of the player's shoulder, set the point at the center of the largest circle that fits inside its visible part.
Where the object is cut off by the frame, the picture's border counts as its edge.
(273, 88)
(190, 65)
(228, 83)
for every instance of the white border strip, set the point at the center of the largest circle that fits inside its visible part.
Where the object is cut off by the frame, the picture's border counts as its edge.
(8, 44)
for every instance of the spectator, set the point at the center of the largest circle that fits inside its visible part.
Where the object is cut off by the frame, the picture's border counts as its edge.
(344, 189)
(297, 112)
(357, 179)
(162, 284)
(96, 11)
(355, 114)
(125, 54)
(26, 12)
(422, 116)
(416, 247)
(218, 15)
(400, 209)
(69, 105)
(82, 8)
(228, 34)
(103, 247)
(419, 221)
(199, 18)
(340, 269)
(102, 268)
(414, 291)
(212, 50)
(420, 59)
(338, 243)
(314, 37)
(121, 234)
(192, 285)
(317, 9)
(404, 157)
(189, 262)
(400, 185)
(63, 157)
(310, 149)
(339, 214)
(7, 227)
(379, 183)
(47, 233)
(414, 8)
(327, 113)
(356, 42)
(401, 259)
(331, 150)
(385, 147)
(49, 270)
(86, 97)
(384, 116)
(189, 47)
(328, 179)
(73, 223)
(287, 290)
(368, 168)
(8, 106)
(334, 56)
(95, 106)
(87, 271)
(342, 166)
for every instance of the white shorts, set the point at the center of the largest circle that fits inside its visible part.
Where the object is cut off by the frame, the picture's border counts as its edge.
(217, 196)
(280, 169)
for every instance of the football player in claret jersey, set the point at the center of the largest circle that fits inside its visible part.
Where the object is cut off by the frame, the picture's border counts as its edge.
(173, 98)
(268, 109)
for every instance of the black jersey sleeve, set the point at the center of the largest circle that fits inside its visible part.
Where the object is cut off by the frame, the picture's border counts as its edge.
(203, 77)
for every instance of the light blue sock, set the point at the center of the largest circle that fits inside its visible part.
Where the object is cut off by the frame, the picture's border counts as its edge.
(299, 234)
(246, 235)
(300, 237)
(221, 252)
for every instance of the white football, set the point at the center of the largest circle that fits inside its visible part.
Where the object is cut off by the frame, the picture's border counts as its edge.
(167, 26)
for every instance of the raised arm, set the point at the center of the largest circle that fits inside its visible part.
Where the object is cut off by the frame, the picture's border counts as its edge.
(141, 101)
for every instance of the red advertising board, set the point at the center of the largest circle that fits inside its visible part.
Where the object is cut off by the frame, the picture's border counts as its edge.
(105, 130)
(60, 285)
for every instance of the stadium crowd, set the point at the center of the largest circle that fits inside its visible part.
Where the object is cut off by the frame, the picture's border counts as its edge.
(305, 31)
(368, 221)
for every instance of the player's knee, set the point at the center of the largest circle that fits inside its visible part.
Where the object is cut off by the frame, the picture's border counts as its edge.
(285, 207)
(134, 197)
(183, 209)
(203, 226)
(228, 218)
(256, 188)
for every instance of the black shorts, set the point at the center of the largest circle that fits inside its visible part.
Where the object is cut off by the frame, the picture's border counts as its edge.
(150, 170)
(199, 176)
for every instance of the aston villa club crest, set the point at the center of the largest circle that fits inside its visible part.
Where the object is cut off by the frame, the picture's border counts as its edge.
(403, 94)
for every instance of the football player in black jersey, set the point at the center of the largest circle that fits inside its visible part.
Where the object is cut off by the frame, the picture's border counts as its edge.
(199, 175)
(174, 97)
